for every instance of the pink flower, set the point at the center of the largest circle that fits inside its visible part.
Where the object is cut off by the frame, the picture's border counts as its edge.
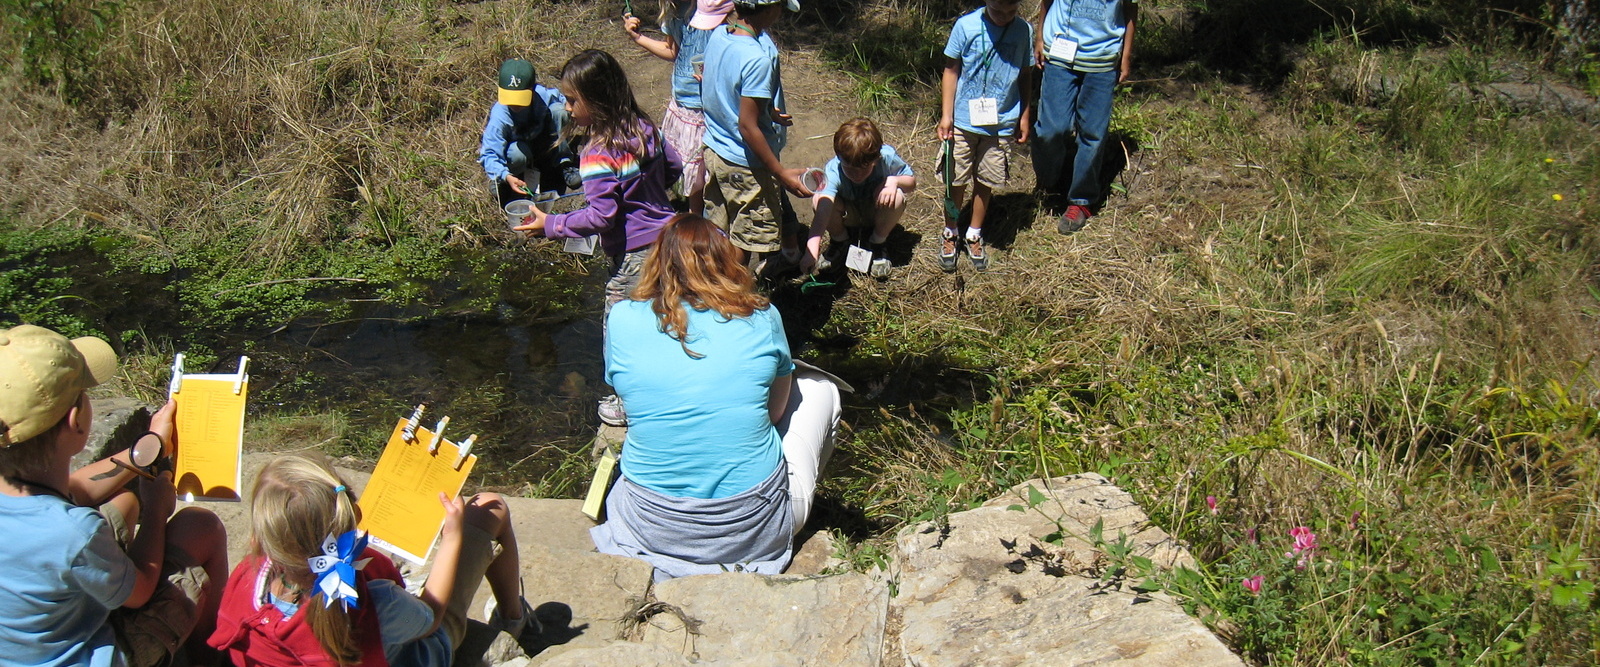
(1211, 502)
(1250, 535)
(1305, 542)
(1253, 584)
(1355, 518)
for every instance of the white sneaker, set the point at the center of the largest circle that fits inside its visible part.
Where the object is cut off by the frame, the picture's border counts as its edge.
(611, 412)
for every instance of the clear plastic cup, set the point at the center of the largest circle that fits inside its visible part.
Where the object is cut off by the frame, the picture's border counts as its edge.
(814, 179)
(699, 65)
(518, 211)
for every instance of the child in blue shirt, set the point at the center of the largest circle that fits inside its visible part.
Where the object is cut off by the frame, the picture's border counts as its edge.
(984, 106)
(1085, 48)
(746, 128)
(129, 583)
(687, 25)
(521, 133)
(866, 184)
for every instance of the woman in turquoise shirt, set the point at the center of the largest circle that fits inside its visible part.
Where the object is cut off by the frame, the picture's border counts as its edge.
(709, 482)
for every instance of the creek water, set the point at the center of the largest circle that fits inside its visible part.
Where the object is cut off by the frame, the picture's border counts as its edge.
(507, 343)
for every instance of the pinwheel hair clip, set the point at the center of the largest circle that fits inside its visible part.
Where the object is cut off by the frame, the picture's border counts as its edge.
(336, 568)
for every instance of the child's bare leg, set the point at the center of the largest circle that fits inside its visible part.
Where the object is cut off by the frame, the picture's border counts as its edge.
(488, 512)
(126, 504)
(697, 201)
(202, 540)
(981, 195)
(887, 218)
(958, 194)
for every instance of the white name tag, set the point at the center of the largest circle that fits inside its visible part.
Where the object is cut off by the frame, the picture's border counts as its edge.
(983, 111)
(858, 259)
(1064, 49)
(581, 246)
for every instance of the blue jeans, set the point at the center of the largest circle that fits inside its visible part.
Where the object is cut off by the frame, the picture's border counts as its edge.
(1072, 102)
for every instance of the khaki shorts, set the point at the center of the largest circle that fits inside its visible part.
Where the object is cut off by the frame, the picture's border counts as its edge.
(984, 157)
(478, 549)
(745, 202)
(151, 634)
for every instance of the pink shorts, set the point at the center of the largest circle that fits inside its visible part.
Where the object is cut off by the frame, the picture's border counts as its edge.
(685, 130)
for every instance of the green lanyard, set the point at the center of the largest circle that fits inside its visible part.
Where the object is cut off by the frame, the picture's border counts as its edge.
(994, 48)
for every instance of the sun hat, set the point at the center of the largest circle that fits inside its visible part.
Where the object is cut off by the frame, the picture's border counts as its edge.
(516, 83)
(42, 374)
(709, 14)
(794, 5)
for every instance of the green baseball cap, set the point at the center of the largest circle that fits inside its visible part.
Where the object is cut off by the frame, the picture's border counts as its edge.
(516, 82)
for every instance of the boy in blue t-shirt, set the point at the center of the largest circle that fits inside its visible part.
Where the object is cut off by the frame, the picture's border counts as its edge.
(984, 106)
(866, 184)
(1085, 48)
(128, 583)
(520, 137)
(746, 128)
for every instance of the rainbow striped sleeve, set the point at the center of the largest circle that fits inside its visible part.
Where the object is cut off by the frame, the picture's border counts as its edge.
(621, 166)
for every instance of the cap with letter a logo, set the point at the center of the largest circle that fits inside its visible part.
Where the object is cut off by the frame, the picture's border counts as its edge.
(516, 83)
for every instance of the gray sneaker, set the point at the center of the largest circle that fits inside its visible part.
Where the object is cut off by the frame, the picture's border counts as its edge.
(514, 628)
(948, 252)
(611, 411)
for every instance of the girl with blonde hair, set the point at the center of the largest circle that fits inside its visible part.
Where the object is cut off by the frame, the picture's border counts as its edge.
(725, 437)
(312, 593)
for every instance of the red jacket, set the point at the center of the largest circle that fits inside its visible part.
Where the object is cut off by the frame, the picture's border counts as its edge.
(256, 634)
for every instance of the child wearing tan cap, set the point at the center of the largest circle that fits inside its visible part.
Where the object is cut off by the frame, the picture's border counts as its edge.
(127, 583)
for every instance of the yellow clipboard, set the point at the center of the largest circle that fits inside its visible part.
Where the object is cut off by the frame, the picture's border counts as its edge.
(210, 421)
(400, 507)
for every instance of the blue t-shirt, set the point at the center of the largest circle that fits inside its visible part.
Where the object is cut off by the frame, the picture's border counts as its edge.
(992, 57)
(63, 575)
(1096, 25)
(691, 42)
(738, 65)
(697, 428)
(540, 121)
(842, 188)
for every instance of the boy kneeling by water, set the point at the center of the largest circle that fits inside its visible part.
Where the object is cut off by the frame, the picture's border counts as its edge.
(77, 588)
(519, 138)
(867, 183)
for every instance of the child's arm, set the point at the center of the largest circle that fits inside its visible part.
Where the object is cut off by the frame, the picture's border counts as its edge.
(665, 49)
(602, 189)
(491, 152)
(947, 98)
(1025, 121)
(441, 582)
(157, 500)
(1126, 66)
(750, 132)
(93, 484)
(1038, 33)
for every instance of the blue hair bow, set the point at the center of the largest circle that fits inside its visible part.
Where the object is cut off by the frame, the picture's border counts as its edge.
(336, 568)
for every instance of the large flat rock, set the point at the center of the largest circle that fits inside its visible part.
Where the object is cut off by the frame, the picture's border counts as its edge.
(752, 619)
(988, 588)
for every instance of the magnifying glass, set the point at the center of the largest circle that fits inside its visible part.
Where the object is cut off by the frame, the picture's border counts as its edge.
(146, 457)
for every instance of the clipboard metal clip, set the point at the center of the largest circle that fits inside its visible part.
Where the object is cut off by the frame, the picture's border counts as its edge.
(438, 435)
(176, 384)
(242, 377)
(408, 432)
(463, 449)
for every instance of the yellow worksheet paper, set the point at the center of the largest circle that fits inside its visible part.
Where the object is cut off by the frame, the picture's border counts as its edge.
(400, 507)
(210, 436)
